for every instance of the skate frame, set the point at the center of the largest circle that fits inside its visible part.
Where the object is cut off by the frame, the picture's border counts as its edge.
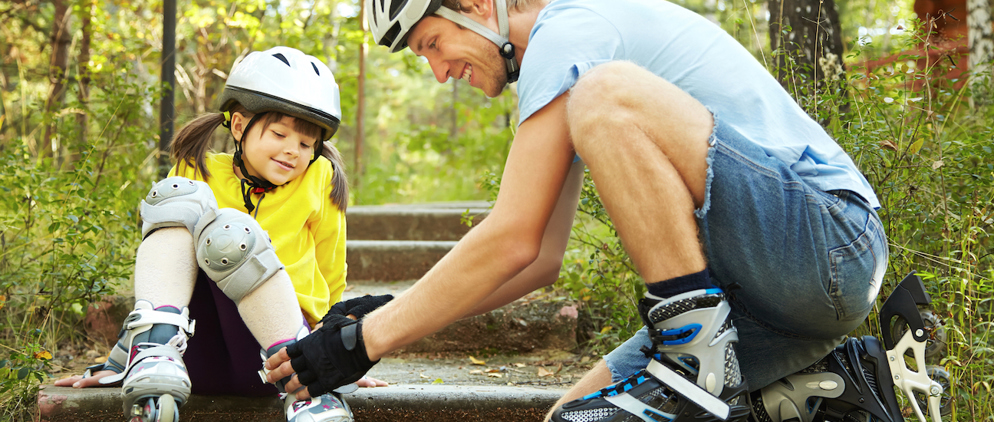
(904, 302)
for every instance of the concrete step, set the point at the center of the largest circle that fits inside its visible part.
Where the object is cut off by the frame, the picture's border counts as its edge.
(434, 403)
(515, 388)
(437, 221)
(531, 323)
(392, 260)
(525, 325)
(528, 324)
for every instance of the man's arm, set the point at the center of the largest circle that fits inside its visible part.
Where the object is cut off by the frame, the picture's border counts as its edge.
(490, 255)
(545, 270)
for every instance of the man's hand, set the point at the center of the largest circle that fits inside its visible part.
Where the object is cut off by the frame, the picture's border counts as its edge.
(357, 307)
(328, 358)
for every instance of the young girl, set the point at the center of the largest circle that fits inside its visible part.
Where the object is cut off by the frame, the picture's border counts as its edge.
(242, 243)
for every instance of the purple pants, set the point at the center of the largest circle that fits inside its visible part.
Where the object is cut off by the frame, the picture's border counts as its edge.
(222, 357)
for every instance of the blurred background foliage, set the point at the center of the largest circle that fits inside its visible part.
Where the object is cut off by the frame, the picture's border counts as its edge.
(79, 101)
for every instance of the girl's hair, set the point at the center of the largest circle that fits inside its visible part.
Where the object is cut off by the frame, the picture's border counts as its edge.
(193, 140)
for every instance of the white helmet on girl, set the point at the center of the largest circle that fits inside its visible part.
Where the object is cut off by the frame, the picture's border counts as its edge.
(391, 21)
(286, 80)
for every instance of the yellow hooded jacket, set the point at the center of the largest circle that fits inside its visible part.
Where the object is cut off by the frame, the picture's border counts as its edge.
(306, 228)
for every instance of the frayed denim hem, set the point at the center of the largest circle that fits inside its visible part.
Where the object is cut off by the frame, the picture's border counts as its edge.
(712, 142)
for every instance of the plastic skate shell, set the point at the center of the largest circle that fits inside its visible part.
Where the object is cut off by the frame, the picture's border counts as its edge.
(856, 381)
(904, 302)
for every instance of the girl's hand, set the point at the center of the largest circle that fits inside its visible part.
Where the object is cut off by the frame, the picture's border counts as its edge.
(79, 382)
(370, 382)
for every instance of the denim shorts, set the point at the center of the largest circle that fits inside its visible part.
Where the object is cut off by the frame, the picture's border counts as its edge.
(801, 267)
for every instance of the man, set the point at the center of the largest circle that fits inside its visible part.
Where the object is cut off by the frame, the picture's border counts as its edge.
(754, 231)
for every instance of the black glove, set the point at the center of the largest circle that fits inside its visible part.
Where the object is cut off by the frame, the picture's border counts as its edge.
(330, 357)
(359, 306)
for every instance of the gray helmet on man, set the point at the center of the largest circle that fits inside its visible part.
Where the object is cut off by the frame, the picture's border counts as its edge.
(286, 80)
(390, 22)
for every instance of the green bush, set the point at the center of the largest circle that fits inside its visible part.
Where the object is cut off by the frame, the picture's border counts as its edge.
(68, 231)
(599, 275)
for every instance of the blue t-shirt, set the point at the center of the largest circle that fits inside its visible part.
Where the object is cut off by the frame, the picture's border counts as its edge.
(572, 36)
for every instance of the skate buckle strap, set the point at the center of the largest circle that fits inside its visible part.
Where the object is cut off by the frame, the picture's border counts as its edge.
(676, 336)
(636, 407)
(689, 390)
(146, 317)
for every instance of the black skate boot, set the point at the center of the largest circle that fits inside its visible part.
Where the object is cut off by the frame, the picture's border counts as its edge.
(857, 380)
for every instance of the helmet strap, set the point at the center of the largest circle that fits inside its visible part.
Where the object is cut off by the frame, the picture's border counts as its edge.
(250, 183)
(318, 148)
(504, 46)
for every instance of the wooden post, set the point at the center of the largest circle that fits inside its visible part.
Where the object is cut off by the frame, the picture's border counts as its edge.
(60, 38)
(360, 127)
(167, 107)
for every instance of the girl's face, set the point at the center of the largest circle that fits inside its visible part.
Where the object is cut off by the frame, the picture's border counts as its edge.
(277, 153)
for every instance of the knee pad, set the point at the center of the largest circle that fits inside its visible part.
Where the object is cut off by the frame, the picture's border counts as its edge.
(176, 202)
(235, 252)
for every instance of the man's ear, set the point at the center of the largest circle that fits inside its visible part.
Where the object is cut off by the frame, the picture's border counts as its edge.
(479, 8)
(238, 123)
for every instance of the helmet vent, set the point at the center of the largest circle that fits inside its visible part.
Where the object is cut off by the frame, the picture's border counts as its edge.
(391, 35)
(282, 58)
(395, 8)
(318, 72)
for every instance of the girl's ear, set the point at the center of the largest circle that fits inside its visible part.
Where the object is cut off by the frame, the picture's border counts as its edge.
(238, 123)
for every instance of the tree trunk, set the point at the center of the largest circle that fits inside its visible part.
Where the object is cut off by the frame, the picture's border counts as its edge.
(981, 43)
(167, 81)
(808, 35)
(60, 40)
(86, 15)
(360, 126)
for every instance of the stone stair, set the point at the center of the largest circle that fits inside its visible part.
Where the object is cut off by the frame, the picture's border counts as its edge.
(401, 242)
(510, 364)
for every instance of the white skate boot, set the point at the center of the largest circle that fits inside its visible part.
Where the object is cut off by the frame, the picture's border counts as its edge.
(328, 407)
(148, 358)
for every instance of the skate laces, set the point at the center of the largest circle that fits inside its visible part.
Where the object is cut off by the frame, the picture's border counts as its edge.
(687, 365)
(621, 387)
(179, 341)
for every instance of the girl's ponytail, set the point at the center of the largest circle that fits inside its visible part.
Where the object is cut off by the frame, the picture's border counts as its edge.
(192, 142)
(339, 182)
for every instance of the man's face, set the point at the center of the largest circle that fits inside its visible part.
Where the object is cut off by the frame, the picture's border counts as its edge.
(456, 52)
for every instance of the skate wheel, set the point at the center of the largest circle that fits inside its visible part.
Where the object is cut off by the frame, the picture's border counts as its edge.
(935, 346)
(941, 376)
(166, 410)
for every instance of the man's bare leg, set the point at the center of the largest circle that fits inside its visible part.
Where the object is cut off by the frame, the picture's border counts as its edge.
(598, 377)
(646, 143)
